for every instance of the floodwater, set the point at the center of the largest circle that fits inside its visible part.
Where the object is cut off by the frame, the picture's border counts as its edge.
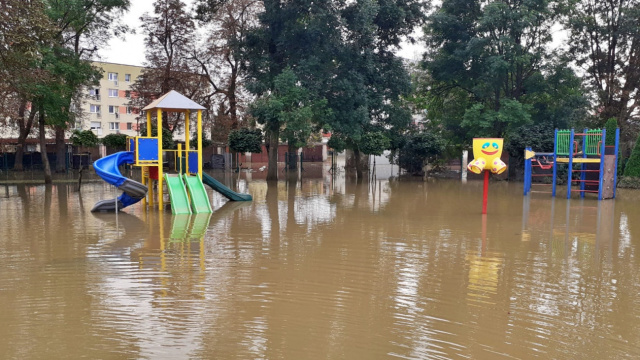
(321, 268)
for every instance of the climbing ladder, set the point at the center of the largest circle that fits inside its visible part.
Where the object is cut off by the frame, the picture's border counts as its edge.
(584, 148)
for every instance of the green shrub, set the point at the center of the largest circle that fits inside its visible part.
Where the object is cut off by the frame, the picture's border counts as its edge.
(628, 182)
(420, 149)
(611, 127)
(632, 167)
(374, 143)
(246, 140)
(205, 142)
(115, 141)
(85, 138)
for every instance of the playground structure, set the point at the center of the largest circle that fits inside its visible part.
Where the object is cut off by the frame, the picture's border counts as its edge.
(185, 188)
(486, 157)
(598, 164)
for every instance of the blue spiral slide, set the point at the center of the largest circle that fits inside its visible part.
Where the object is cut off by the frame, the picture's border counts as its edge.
(108, 169)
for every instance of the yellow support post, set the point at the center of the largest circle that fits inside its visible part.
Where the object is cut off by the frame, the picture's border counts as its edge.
(144, 182)
(187, 141)
(200, 144)
(149, 123)
(160, 161)
(179, 160)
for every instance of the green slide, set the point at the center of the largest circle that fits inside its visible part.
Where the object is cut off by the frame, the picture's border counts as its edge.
(178, 194)
(199, 199)
(225, 191)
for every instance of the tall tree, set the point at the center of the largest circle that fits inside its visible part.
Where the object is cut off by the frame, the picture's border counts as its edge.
(53, 95)
(169, 43)
(83, 26)
(490, 70)
(221, 61)
(288, 110)
(301, 36)
(25, 29)
(605, 42)
(369, 79)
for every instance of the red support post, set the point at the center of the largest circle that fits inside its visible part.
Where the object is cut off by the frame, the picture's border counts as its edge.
(485, 193)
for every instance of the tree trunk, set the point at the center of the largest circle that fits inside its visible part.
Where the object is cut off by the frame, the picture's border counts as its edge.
(272, 151)
(43, 147)
(25, 130)
(292, 152)
(61, 160)
(425, 166)
(359, 164)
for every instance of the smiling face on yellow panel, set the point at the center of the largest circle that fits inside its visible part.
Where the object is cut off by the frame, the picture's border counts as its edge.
(487, 148)
(486, 154)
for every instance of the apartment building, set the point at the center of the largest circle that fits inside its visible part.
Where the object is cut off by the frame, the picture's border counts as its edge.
(106, 106)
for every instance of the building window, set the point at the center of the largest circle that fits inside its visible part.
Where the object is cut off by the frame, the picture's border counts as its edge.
(127, 77)
(95, 109)
(95, 93)
(129, 126)
(114, 126)
(96, 125)
(113, 92)
(129, 110)
(113, 76)
(113, 109)
(127, 94)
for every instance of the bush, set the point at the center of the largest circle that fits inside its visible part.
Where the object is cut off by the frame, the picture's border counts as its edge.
(194, 142)
(629, 182)
(115, 141)
(420, 149)
(84, 138)
(374, 143)
(246, 140)
(611, 127)
(632, 167)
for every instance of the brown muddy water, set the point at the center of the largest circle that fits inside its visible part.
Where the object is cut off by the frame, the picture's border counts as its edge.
(321, 268)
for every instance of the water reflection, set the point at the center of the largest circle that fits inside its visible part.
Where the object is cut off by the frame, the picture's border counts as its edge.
(321, 268)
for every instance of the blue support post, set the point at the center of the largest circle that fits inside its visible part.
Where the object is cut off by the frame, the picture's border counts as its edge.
(555, 163)
(615, 173)
(570, 170)
(601, 177)
(527, 173)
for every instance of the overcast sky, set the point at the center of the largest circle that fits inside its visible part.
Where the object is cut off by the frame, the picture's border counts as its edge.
(131, 50)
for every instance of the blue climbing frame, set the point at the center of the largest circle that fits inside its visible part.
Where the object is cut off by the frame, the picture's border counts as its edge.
(565, 151)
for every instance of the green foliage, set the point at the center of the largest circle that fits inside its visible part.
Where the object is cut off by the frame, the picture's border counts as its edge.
(246, 140)
(205, 142)
(419, 150)
(25, 28)
(85, 138)
(632, 167)
(613, 27)
(337, 143)
(342, 53)
(67, 73)
(540, 137)
(167, 136)
(289, 110)
(482, 121)
(115, 141)
(484, 76)
(374, 143)
(611, 126)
